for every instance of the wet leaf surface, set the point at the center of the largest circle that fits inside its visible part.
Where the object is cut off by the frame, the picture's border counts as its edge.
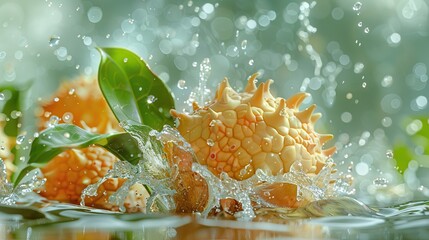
(133, 91)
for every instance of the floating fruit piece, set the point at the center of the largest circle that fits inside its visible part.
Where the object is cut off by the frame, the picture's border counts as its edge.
(81, 103)
(238, 133)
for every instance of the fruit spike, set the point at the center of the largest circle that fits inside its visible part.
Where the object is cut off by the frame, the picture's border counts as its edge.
(195, 106)
(296, 100)
(323, 138)
(267, 92)
(222, 86)
(277, 118)
(315, 117)
(305, 116)
(251, 85)
(258, 99)
(328, 152)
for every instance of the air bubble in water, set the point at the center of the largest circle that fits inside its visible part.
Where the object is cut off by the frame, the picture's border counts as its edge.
(360, 24)
(251, 61)
(2, 96)
(364, 84)
(54, 41)
(151, 99)
(125, 60)
(357, 6)
(366, 30)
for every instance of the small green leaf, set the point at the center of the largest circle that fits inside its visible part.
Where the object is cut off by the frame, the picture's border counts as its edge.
(133, 91)
(53, 141)
(10, 105)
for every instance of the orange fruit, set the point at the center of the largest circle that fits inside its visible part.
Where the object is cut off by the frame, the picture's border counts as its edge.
(6, 145)
(81, 102)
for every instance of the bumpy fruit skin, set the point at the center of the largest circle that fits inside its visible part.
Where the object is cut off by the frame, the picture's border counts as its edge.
(81, 103)
(238, 133)
(6, 145)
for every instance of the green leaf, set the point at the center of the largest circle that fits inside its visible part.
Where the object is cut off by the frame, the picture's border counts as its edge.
(11, 103)
(53, 141)
(403, 156)
(133, 91)
(404, 153)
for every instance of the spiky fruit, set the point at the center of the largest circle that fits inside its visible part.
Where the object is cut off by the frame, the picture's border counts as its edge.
(238, 133)
(81, 103)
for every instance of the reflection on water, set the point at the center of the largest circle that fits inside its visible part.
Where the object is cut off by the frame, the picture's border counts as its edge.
(340, 218)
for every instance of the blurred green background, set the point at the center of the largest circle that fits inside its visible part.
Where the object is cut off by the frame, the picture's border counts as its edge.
(365, 64)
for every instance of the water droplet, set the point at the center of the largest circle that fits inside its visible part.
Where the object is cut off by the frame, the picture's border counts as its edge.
(357, 6)
(125, 60)
(389, 153)
(53, 120)
(95, 14)
(2, 96)
(244, 44)
(72, 91)
(364, 84)
(56, 99)
(67, 117)
(251, 61)
(366, 30)
(181, 84)
(387, 81)
(380, 182)
(54, 41)
(67, 135)
(360, 24)
(358, 68)
(151, 99)
(20, 139)
(87, 40)
(210, 142)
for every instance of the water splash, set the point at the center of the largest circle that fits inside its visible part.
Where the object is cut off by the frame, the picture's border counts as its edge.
(152, 171)
(158, 173)
(205, 71)
(9, 194)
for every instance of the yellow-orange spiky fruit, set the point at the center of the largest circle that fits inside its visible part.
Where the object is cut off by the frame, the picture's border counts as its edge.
(81, 103)
(238, 133)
